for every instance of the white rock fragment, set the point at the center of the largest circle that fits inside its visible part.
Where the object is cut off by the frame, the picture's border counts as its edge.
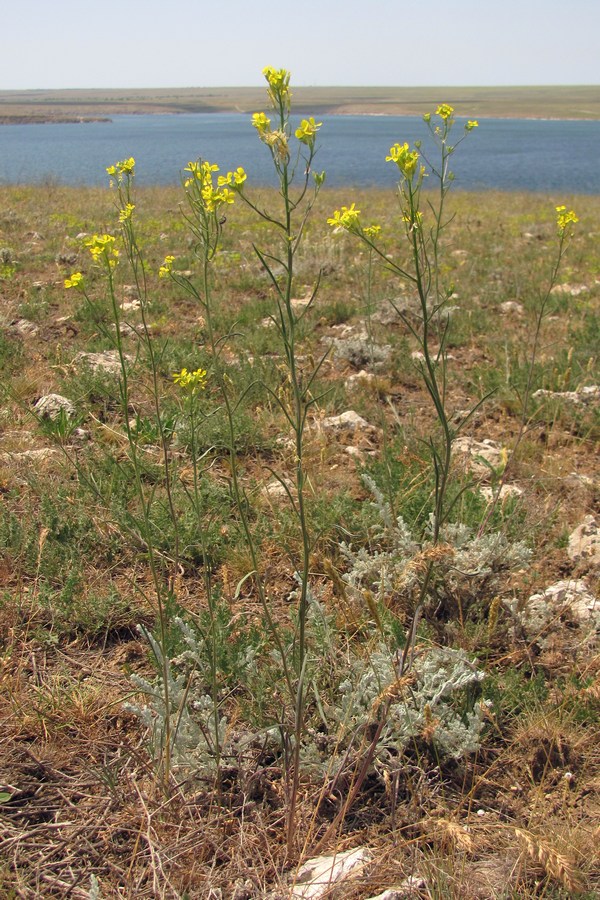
(276, 491)
(130, 305)
(129, 330)
(390, 894)
(577, 480)
(512, 306)
(346, 421)
(506, 491)
(359, 350)
(584, 542)
(410, 887)
(572, 290)
(300, 303)
(581, 397)
(355, 453)
(343, 330)
(480, 453)
(24, 327)
(358, 378)
(40, 455)
(563, 598)
(316, 877)
(51, 405)
(106, 362)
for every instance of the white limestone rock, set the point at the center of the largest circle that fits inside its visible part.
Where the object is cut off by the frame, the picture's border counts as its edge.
(572, 290)
(512, 306)
(571, 599)
(410, 887)
(316, 877)
(106, 362)
(50, 406)
(584, 542)
(480, 454)
(346, 421)
(582, 397)
(506, 491)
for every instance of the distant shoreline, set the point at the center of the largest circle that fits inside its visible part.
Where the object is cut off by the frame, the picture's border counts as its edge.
(51, 120)
(82, 106)
(85, 120)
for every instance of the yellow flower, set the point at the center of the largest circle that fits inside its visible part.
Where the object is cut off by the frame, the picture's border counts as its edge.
(167, 267)
(276, 78)
(195, 380)
(261, 122)
(213, 198)
(413, 219)
(201, 170)
(307, 131)
(181, 378)
(279, 90)
(565, 218)
(75, 281)
(444, 111)
(346, 217)
(202, 180)
(239, 176)
(471, 124)
(371, 231)
(125, 213)
(103, 246)
(232, 179)
(405, 158)
(122, 168)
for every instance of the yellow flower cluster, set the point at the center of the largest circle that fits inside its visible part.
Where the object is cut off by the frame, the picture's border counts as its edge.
(444, 111)
(261, 122)
(406, 159)
(307, 131)
(126, 212)
(212, 197)
(75, 281)
(194, 380)
(565, 218)
(124, 167)
(167, 267)
(471, 124)
(371, 231)
(347, 217)
(234, 179)
(102, 246)
(413, 219)
(279, 86)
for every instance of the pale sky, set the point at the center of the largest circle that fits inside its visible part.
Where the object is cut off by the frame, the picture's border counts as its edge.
(196, 43)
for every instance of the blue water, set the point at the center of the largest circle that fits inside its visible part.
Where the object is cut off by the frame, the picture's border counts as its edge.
(507, 154)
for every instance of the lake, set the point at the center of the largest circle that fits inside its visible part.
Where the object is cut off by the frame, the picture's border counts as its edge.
(548, 156)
